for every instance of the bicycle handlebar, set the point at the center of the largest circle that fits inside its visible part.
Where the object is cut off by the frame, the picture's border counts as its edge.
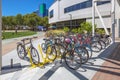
(28, 39)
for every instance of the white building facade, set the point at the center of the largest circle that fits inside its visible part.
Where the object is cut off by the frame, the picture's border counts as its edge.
(73, 12)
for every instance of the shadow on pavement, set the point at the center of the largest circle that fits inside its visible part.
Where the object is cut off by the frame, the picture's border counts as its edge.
(49, 73)
(111, 55)
(9, 69)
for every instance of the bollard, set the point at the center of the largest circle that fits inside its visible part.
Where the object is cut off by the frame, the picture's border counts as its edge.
(11, 63)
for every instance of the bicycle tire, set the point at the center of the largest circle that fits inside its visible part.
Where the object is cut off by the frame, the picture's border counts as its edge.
(43, 46)
(84, 54)
(96, 46)
(90, 52)
(51, 53)
(60, 49)
(35, 55)
(21, 51)
(69, 58)
(108, 41)
(103, 44)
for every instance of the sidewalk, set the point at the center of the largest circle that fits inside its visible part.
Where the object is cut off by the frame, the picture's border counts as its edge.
(110, 69)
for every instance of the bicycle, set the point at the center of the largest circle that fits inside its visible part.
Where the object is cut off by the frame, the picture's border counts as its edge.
(23, 51)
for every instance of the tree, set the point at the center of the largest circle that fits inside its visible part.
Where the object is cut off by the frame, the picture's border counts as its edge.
(4, 23)
(17, 22)
(19, 19)
(45, 21)
(10, 22)
(32, 20)
(26, 19)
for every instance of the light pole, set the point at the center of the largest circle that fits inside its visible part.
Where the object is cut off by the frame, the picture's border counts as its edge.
(93, 18)
(113, 19)
(58, 12)
(70, 22)
(0, 38)
(59, 9)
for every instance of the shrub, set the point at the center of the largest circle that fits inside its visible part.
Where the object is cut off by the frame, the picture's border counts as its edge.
(80, 30)
(75, 30)
(100, 31)
(54, 33)
(85, 26)
(66, 29)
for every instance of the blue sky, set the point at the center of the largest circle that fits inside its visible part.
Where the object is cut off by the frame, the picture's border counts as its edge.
(13, 7)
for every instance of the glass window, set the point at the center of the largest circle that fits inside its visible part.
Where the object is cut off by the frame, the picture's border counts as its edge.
(102, 2)
(89, 4)
(65, 10)
(51, 14)
(82, 5)
(77, 6)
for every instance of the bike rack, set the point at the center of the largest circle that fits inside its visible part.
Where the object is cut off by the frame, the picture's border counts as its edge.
(29, 54)
(45, 60)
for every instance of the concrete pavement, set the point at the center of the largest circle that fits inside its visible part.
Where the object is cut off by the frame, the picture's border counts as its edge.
(54, 71)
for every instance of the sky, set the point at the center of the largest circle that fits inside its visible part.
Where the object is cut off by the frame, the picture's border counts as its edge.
(14, 7)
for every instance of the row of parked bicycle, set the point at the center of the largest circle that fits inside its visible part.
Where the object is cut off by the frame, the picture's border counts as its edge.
(73, 49)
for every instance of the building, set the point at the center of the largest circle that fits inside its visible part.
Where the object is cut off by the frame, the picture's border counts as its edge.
(42, 11)
(73, 12)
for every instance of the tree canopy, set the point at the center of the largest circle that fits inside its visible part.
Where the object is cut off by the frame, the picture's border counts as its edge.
(32, 20)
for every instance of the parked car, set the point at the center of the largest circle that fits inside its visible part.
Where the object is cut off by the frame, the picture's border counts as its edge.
(53, 27)
(41, 28)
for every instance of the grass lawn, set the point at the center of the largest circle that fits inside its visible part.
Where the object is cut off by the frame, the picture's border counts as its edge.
(8, 35)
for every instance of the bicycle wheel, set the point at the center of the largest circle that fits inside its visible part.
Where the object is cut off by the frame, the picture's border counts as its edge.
(21, 51)
(107, 41)
(73, 60)
(60, 50)
(96, 46)
(35, 56)
(43, 46)
(89, 49)
(84, 54)
(103, 44)
(51, 53)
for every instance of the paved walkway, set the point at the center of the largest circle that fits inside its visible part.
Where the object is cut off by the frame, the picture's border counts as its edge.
(11, 44)
(110, 69)
(102, 66)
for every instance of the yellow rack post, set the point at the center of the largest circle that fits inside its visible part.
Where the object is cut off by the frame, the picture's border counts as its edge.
(45, 59)
(29, 54)
(33, 65)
